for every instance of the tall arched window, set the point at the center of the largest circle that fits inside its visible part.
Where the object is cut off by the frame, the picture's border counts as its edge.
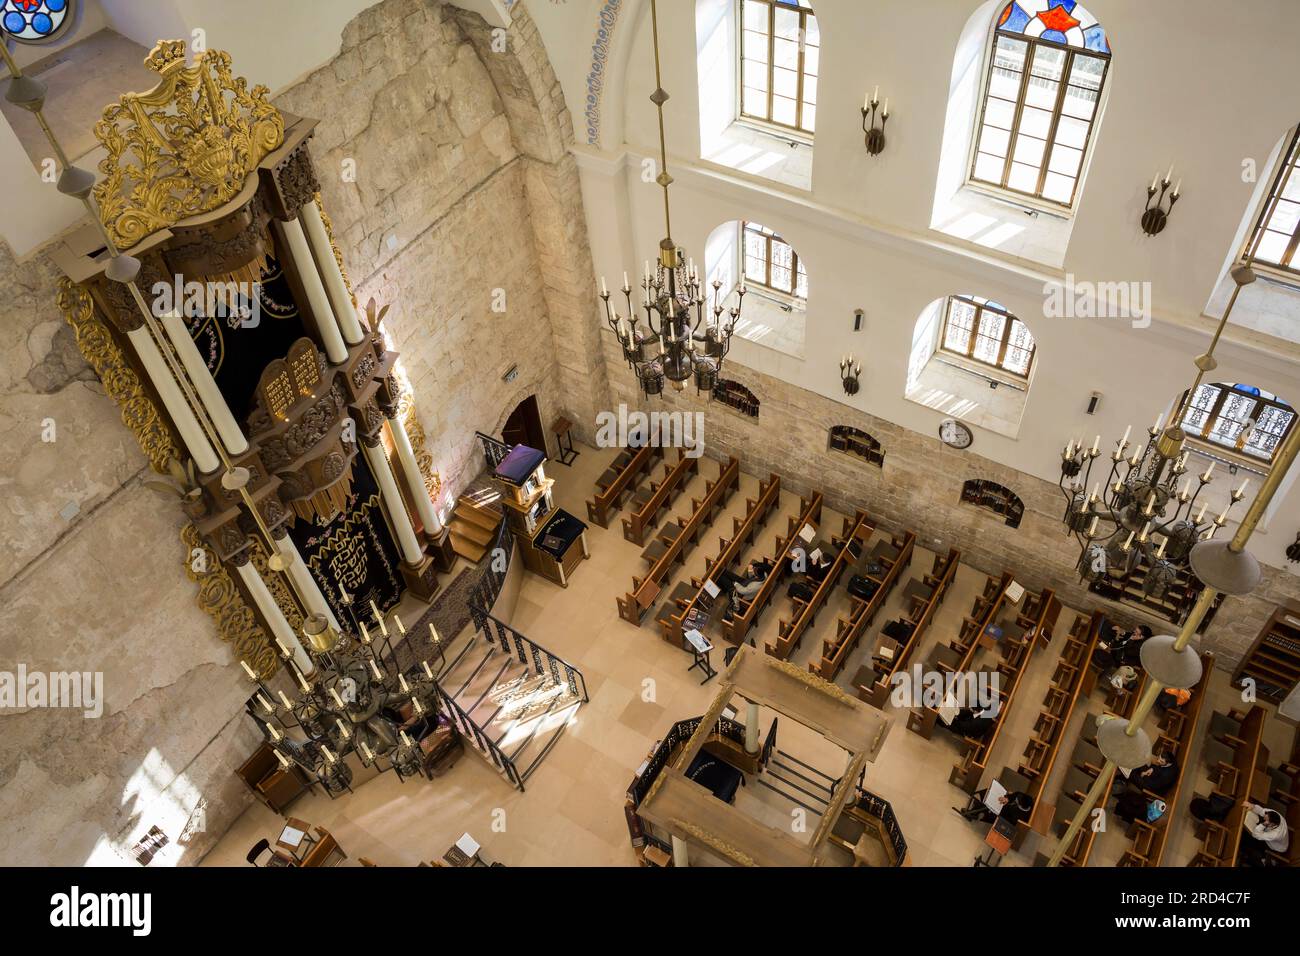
(982, 330)
(771, 262)
(1047, 68)
(1242, 418)
(1276, 235)
(779, 61)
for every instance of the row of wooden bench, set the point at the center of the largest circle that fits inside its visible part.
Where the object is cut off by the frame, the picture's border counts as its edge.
(648, 501)
(893, 557)
(619, 482)
(924, 595)
(1237, 777)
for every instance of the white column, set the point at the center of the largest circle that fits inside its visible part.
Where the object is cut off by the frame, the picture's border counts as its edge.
(303, 581)
(182, 415)
(206, 386)
(279, 624)
(751, 729)
(317, 300)
(414, 478)
(412, 553)
(345, 313)
(681, 855)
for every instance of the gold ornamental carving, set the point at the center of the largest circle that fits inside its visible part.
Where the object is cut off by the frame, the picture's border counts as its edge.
(274, 581)
(183, 148)
(715, 843)
(221, 600)
(120, 380)
(814, 681)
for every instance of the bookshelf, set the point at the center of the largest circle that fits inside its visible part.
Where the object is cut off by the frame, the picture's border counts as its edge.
(1001, 501)
(734, 395)
(854, 441)
(1274, 660)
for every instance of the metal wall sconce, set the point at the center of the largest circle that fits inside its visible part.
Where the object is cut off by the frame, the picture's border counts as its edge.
(1154, 218)
(849, 372)
(875, 136)
(1293, 552)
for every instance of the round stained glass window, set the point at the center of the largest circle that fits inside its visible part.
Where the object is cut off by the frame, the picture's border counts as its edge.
(36, 21)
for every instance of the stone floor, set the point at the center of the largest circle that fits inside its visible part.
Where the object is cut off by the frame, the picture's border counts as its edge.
(572, 811)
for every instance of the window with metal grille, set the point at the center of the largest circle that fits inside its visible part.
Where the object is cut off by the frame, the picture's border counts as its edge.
(780, 48)
(1277, 232)
(771, 262)
(1045, 77)
(1242, 418)
(986, 332)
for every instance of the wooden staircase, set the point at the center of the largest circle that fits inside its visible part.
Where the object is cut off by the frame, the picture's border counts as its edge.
(474, 523)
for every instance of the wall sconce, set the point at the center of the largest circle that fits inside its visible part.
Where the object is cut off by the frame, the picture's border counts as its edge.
(1293, 552)
(875, 136)
(1155, 217)
(849, 372)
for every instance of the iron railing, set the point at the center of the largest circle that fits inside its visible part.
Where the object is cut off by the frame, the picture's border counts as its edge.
(493, 450)
(481, 742)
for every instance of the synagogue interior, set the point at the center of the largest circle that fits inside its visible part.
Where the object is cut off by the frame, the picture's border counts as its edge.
(616, 433)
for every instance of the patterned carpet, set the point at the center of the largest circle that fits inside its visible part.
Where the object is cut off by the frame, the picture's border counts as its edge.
(449, 613)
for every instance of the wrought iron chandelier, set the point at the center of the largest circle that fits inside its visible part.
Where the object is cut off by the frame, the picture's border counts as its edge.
(1144, 520)
(683, 336)
(356, 701)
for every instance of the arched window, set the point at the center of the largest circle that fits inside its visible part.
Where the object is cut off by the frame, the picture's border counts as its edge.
(986, 332)
(37, 21)
(779, 60)
(1276, 235)
(1241, 418)
(734, 395)
(771, 262)
(1047, 68)
(1001, 501)
(854, 441)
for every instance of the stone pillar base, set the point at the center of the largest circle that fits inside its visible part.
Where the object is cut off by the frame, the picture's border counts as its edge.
(421, 579)
(439, 547)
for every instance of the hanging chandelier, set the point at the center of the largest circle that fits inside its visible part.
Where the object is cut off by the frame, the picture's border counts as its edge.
(684, 336)
(1139, 526)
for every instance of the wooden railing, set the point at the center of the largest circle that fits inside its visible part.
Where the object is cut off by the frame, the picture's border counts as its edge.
(1177, 735)
(607, 498)
(744, 616)
(984, 611)
(743, 532)
(1035, 621)
(835, 652)
(662, 494)
(919, 615)
(855, 532)
(1221, 841)
(632, 607)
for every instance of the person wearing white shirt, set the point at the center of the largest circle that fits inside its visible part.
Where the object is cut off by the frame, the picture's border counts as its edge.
(1267, 827)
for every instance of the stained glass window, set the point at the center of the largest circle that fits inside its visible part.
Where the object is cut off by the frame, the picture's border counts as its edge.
(1046, 71)
(1277, 234)
(771, 262)
(986, 332)
(1240, 417)
(780, 49)
(36, 21)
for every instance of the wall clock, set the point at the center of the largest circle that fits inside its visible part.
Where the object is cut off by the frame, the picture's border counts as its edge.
(955, 434)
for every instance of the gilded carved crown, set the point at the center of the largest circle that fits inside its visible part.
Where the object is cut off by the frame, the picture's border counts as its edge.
(183, 148)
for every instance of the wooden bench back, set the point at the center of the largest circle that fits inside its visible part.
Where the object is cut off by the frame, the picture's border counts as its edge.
(835, 652)
(642, 519)
(1221, 844)
(737, 628)
(599, 508)
(790, 633)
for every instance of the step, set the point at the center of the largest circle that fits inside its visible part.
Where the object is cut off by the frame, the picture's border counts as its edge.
(797, 786)
(471, 551)
(473, 532)
(793, 799)
(484, 515)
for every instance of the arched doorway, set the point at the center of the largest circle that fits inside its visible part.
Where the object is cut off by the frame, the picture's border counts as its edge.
(524, 426)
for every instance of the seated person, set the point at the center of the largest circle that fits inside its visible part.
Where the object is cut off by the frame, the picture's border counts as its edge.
(973, 722)
(1268, 832)
(818, 567)
(1133, 805)
(796, 561)
(1157, 776)
(1124, 677)
(1017, 807)
(1171, 698)
(1125, 647)
(746, 584)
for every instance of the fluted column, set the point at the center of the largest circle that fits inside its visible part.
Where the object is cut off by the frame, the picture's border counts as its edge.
(414, 477)
(303, 580)
(751, 728)
(274, 617)
(205, 385)
(295, 240)
(191, 432)
(412, 553)
(345, 312)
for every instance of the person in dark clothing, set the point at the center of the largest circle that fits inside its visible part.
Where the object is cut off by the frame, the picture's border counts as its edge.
(972, 723)
(1016, 808)
(1158, 776)
(819, 567)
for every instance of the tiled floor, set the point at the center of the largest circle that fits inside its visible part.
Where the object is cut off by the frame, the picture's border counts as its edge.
(572, 811)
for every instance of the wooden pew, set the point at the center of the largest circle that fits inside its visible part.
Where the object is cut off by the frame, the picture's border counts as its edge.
(743, 532)
(608, 496)
(1221, 842)
(1087, 758)
(895, 559)
(1177, 735)
(742, 619)
(678, 538)
(875, 682)
(1035, 621)
(657, 496)
(961, 652)
(855, 531)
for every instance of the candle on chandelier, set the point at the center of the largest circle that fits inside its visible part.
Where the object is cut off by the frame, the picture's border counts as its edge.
(1201, 514)
(416, 704)
(406, 741)
(275, 734)
(1128, 544)
(1155, 180)
(1223, 518)
(280, 757)
(1092, 499)
(1151, 504)
(1092, 528)
(1169, 176)
(1208, 472)
(401, 679)
(266, 704)
(365, 632)
(626, 287)
(1123, 442)
(428, 671)
(604, 289)
(346, 598)
(1185, 493)
(1146, 532)
(285, 699)
(248, 670)
(433, 635)
(366, 751)
(1178, 189)
(875, 97)
(885, 112)
(302, 681)
(1096, 446)
(337, 699)
(343, 729)
(1155, 429)
(329, 755)
(1160, 551)
(1241, 492)
(374, 668)
(401, 628)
